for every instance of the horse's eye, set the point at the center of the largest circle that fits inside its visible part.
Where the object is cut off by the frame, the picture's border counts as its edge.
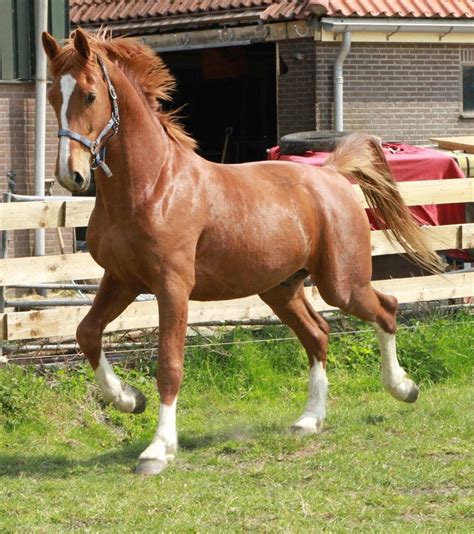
(90, 97)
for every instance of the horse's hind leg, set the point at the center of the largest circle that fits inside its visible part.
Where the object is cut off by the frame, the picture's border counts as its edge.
(393, 375)
(368, 304)
(112, 298)
(291, 306)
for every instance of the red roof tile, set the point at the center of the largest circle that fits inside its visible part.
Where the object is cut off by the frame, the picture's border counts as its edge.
(90, 12)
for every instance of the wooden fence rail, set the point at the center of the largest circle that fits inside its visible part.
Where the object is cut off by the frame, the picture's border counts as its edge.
(62, 321)
(71, 214)
(81, 266)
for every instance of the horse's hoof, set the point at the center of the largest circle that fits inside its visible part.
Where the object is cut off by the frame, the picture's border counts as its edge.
(150, 467)
(303, 430)
(140, 400)
(306, 426)
(413, 393)
(306, 430)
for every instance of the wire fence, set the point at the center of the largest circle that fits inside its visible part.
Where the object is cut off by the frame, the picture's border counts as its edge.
(128, 346)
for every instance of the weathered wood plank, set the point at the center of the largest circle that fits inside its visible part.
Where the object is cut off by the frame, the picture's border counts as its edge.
(81, 266)
(37, 214)
(45, 214)
(45, 269)
(465, 143)
(446, 237)
(428, 192)
(74, 213)
(63, 321)
(437, 191)
(78, 213)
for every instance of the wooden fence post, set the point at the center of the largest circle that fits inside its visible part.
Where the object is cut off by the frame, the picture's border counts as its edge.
(3, 255)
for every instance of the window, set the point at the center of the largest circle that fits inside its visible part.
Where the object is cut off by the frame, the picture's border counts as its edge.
(468, 88)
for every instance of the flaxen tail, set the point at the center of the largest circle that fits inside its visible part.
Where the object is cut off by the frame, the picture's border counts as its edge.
(360, 156)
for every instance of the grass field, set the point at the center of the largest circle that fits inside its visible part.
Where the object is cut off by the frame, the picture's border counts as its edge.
(66, 459)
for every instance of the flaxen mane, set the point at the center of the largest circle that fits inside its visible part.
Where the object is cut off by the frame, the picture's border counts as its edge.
(142, 66)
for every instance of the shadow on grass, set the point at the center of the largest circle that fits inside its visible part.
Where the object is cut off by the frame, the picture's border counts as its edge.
(62, 466)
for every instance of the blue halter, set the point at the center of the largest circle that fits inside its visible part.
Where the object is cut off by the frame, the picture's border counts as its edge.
(98, 151)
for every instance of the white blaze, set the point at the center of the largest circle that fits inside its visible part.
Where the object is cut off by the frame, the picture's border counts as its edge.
(67, 83)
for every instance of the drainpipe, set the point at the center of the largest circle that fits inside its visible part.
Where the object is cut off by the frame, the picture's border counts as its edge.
(41, 15)
(339, 81)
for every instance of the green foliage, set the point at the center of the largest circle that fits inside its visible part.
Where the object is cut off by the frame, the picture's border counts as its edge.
(20, 390)
(243, 362)
(354, 351)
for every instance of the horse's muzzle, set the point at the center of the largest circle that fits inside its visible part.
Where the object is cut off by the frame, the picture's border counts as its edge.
(76, 181)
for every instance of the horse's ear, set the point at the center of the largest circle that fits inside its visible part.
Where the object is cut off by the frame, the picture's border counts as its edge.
(81, 43)
(50, 45)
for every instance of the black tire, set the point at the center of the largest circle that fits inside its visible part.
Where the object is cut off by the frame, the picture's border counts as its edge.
(317, 141)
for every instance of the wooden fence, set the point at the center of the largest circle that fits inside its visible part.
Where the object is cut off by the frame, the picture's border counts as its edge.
(62, 321)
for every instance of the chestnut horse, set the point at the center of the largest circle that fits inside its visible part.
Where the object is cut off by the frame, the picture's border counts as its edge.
(170, 223)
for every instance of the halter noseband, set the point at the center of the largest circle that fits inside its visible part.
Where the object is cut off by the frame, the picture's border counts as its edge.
(96, 150)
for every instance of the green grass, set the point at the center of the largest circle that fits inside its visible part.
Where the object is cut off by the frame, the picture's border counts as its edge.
(66, 459)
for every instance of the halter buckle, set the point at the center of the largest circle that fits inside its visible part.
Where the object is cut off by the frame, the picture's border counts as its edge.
(93, 148)
(112, 92)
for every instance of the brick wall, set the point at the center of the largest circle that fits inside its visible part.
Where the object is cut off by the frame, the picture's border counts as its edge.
(17, 133)
(296, 87)
(401, 92)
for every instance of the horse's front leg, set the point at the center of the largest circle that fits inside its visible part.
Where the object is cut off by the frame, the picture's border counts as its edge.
(173, 297)
(111, 299)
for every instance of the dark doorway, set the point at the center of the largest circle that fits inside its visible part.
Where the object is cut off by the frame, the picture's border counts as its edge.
(230, 89)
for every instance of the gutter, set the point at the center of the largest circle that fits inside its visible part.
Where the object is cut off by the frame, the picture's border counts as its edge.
(339, 81)
(441, 26)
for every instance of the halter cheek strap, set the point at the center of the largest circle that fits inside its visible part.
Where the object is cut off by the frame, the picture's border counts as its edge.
(98, 151)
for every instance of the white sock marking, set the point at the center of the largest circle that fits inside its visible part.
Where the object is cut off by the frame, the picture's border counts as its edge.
(111, 387)
(165, 441)
(315, 411)
(67, 83)
(393, 375)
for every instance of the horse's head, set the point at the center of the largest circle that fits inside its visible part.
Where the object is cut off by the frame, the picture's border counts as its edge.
(81, 100)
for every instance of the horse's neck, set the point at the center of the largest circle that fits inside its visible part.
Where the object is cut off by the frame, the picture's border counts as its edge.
(136, 155)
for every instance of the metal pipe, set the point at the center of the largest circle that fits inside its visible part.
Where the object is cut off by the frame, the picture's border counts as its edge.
(77, 287)
(41, 13)
(32, 347)
(30, 198)
(47, 303)
(339, 81)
